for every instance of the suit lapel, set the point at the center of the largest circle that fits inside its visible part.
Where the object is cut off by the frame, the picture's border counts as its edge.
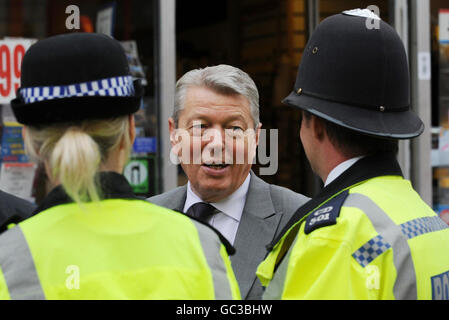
(256, 229)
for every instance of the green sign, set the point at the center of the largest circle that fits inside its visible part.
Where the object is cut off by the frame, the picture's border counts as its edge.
(136, 172)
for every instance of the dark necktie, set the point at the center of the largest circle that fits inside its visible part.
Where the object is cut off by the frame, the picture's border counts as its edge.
(202, 211)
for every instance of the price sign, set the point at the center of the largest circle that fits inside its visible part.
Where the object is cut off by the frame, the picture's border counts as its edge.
(11, 55)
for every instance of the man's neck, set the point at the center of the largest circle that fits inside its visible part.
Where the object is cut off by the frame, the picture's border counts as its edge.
(232, 201)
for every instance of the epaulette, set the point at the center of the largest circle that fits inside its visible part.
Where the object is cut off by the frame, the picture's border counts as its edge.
(326, 214)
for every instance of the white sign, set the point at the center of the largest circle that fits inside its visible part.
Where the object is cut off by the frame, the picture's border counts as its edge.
(105, 21)
(136, 173)
(11, 55)
(424, 66)
(17, 178)
(443, 25)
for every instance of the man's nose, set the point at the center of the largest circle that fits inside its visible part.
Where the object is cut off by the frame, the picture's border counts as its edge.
(215, 137)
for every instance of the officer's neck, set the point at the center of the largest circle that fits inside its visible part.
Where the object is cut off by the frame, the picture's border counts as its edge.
(331, 157)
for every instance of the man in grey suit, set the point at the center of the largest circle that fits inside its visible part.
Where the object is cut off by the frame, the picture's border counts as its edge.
(214, 132)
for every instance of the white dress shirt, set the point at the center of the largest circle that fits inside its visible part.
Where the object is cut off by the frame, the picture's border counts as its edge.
(231, 209)
(342, 167)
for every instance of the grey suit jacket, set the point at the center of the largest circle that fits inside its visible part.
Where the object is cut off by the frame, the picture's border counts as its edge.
(267, 209)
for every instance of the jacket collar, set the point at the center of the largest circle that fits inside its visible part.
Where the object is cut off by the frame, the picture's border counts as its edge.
(112, 186)
(232, 205)
(364, 169)
(258, 198)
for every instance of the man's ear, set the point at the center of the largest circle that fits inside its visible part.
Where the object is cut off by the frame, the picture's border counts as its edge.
(259, 126)
(172, 130)
(319, 127)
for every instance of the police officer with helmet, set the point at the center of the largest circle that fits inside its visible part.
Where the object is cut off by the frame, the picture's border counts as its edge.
(367, 234)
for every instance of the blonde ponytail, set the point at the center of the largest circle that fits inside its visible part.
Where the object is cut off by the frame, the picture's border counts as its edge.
(75, 160)
(74, 153)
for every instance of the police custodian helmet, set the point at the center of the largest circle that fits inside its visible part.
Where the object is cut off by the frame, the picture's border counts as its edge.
(357, 77)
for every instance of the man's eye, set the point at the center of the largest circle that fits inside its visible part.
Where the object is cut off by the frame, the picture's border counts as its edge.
(199, 126)
(234, 131)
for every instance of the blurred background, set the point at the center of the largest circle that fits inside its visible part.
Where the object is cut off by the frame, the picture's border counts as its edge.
(265, 38)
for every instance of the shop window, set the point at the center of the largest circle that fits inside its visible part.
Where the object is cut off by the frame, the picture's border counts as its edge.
(132, 23)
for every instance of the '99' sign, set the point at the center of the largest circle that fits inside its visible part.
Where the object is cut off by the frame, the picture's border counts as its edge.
(11, 55)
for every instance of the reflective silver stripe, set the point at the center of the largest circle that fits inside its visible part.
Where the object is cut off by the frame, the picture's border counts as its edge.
(405, 285)
(211, 246)
(276, 286)
(18, 266)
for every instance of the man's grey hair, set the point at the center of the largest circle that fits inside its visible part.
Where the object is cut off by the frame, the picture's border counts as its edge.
(222, 79)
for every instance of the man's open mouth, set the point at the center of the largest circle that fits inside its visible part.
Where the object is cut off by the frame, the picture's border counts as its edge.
(216, 166)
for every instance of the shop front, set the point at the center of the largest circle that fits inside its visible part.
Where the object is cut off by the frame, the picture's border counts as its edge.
(166, 38)
(133, 23)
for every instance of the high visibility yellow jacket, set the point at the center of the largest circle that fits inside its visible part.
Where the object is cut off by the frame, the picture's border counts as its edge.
(368, 235)
(118, 248)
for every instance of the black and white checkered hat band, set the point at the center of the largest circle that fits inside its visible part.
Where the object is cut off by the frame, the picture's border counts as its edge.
(110, 87)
